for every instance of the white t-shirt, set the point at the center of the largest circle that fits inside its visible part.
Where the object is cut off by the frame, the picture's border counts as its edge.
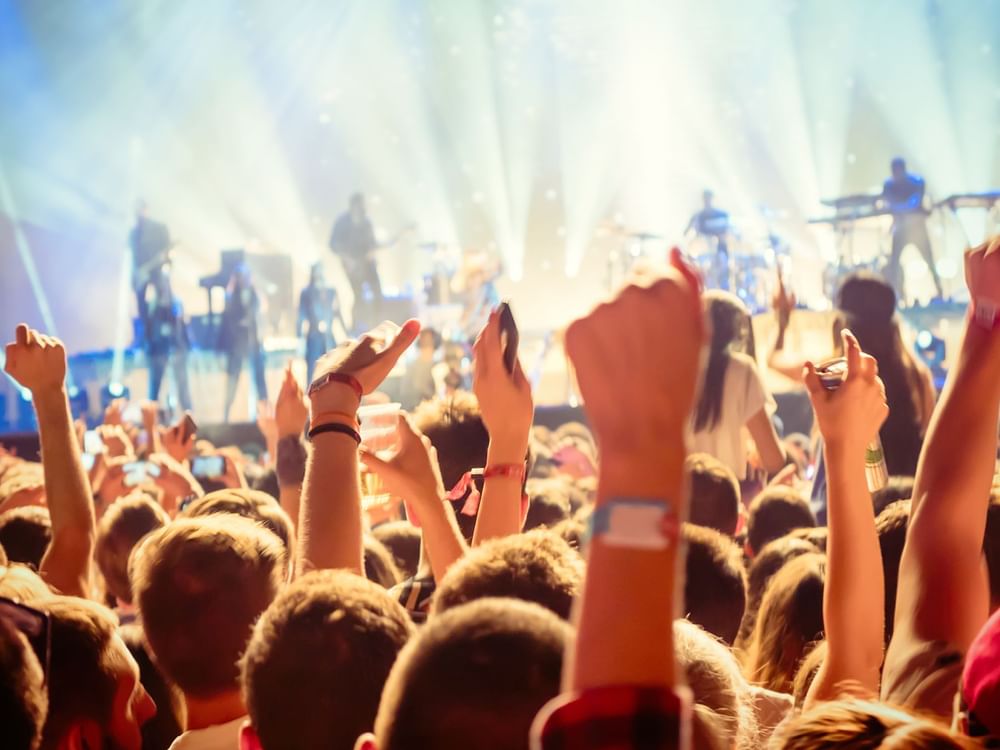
(743, 395)
(219, 737)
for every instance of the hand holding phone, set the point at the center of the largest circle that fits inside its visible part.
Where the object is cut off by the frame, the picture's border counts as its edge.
(140, 472)
(509, 336)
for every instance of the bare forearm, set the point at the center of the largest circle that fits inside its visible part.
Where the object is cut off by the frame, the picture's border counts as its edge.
(66, 564)
(330, 513)
(442, 538)
(625, 630)
(500, 506)
(943, 591)
(853, 599)
(289, 499)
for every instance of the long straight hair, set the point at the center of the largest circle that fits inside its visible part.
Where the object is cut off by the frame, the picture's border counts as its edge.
(732, 331)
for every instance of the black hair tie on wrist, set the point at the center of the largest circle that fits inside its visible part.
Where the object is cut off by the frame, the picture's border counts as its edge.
(343, 429)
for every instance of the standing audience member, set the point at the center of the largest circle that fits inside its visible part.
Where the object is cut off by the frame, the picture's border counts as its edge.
(733, 397)
(23, 700)
(200, 585)
(715, 494)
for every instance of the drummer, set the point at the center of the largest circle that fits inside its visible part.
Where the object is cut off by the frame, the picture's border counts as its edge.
(711, 223)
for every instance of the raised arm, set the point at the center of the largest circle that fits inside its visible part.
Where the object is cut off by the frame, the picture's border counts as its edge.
(507, 409)
(291, 411)
(38, 363)
(943, 584)
(330, 513)
(413, 473)
(638, 399)
(849, 419)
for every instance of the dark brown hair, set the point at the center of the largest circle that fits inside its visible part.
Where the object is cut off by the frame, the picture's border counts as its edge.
(536, 566)
(200, 584)
(126, 522)
(23, 700)
(775, 512)
(318, 659)
(25, 534)
(715, 589)
(482, 671)
(731, 331)
(715, 493)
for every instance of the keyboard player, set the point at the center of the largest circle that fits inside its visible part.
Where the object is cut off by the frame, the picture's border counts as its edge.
(903, 197)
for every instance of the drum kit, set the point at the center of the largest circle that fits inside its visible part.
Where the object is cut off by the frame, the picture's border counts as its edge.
(740, 257)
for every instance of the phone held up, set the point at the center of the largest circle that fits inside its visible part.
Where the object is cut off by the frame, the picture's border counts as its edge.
(509, 336)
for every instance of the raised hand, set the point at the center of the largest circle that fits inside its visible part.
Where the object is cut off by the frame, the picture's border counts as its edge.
(36, 361)
(412, 473)
(504, 398)
(637, 360)
(369, 360)
(291, 409)
(852, 414)
(782, 302)
(176, 444)
(982, 275)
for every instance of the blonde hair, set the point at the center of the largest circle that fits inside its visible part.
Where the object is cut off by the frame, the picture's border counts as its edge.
(868, 725)
(788, 625)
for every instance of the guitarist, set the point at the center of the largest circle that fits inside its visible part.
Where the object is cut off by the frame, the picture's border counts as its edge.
(353, 241)
(150, 243)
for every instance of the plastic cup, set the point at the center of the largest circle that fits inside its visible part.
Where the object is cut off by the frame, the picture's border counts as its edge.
(380, 434)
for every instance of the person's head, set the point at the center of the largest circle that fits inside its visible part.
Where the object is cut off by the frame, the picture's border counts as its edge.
(200, 584)
(126, 522)
(897, 488)
(866, 303)
(96, 699)
(318, 660)
(402, 539)
(980, 687)
(455, 428)
(771, 559)
(898, 167)
(357, 205)
(715, 590)
(23, 700)
(548, 503)
(482, 670)
(25, 534)
(731, 332)
(789, 623)
(715, 493)
(242, 276)
(317, 275)
(253, 504)
(707, 196)
(723, 703)
(160, 731)
(380, 568)
(864, 724)
(891, 528)
(429, 340)
(775, 512)
(536, 566)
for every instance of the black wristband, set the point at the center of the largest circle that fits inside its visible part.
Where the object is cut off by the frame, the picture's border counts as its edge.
(343, 429)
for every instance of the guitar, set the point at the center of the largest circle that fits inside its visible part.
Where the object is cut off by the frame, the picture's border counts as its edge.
(354, 265)
(145, 273)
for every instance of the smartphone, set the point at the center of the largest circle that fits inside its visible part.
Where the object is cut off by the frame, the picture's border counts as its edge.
(88, 461)
(138, 472)
(509, 336)
(92, 443)
(208, 467)
(188, 427)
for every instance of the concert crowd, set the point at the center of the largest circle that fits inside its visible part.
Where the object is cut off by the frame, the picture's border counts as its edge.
(676, 573)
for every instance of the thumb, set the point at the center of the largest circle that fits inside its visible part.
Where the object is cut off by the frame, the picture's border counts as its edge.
(406, 336)
(811, 379)
(377, 465)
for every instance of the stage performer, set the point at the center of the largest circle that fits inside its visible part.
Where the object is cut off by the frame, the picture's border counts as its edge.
(353, 241)
(903, 194)
(319, 307)
(166, 338)
(150, 243)
(240, 337)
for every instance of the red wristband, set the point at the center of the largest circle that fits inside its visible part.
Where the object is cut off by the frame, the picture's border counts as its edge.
(336, 377)
(515, 471)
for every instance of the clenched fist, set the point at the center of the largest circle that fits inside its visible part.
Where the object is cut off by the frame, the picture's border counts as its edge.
(37, 362)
